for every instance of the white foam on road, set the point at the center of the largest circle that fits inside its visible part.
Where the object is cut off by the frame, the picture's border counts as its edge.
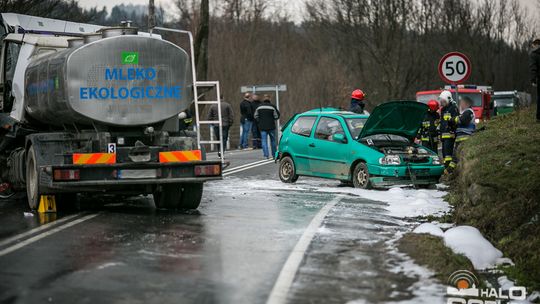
(401, 202)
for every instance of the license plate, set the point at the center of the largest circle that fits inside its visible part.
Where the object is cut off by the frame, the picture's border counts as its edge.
(420, 172)
(137, 174)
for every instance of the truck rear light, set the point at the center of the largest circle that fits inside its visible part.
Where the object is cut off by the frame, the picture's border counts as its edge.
(208, 170)
(67, 174)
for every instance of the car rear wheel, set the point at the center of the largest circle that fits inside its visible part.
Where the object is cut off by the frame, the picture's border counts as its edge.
(361, 176)
(287, 170)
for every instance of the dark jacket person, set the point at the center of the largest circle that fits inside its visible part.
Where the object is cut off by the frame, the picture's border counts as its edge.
(265, 116)
(534, 67)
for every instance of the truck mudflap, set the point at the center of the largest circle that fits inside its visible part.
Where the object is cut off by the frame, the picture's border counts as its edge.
(87, 176)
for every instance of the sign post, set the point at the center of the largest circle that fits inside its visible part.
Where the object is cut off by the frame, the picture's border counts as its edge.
(455, 68)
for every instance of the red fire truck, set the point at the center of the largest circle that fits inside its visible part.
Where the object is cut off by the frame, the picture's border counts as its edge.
(480, 95)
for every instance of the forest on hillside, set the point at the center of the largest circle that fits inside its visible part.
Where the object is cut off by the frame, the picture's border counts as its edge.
(388, 48)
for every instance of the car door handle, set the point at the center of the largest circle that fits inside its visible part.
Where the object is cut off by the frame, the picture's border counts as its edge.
(312, 145)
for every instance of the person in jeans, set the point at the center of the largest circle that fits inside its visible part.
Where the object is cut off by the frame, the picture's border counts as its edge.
(256, 133)
(227, 120)
(246, 120)
(265, 116)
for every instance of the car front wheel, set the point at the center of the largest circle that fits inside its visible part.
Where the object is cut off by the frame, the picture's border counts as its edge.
(287, 170)
(361, 176)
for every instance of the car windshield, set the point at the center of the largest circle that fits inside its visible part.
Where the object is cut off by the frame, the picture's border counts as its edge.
(504, 101)
(425, 98)
(355, 125)
(475, 97)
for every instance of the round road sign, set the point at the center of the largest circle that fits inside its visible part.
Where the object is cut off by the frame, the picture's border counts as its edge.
(454, 68)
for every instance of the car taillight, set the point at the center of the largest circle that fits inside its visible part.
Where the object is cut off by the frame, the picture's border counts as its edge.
(208, 170)
(67, 175)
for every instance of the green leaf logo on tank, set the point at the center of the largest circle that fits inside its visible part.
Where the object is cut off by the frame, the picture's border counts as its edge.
(130, 57)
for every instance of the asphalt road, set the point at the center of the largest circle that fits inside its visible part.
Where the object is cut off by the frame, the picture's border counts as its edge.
(253, 240)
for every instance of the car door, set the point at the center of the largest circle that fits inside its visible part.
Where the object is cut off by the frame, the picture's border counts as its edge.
(328, 158)
(299, 140)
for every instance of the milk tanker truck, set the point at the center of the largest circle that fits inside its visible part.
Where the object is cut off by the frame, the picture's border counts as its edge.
(89, 109)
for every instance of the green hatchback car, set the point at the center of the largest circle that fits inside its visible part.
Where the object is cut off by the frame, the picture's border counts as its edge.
(367, 151)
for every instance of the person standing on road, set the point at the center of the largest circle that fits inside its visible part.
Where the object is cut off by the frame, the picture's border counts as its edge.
(246, 120)
(534, 67)
(357, 102)
(449, 112)
(265, 116)
(465, 127)
(256, 133)
(227, 120)
(429, 133)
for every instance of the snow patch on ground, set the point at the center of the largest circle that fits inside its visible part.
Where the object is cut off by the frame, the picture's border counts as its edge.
(470, 242)
(429, 229)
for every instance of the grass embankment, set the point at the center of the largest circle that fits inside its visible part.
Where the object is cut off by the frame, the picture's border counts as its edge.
(496, 188)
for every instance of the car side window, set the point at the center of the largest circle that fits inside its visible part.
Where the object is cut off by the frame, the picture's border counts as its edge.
(327, 127)
(303, 125)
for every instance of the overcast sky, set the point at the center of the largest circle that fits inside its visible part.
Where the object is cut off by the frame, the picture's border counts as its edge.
(294, 7)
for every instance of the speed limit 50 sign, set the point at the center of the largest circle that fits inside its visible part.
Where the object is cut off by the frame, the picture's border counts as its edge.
(454, 68)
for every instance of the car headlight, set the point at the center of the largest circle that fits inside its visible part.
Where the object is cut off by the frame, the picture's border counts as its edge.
(435, 160)
(390, 160)
(477, 120)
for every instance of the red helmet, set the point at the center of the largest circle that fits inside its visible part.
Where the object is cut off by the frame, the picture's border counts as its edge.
(358, 94)
(433, 105)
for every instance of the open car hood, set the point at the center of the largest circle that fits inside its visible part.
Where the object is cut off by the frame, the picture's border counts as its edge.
(402, 118)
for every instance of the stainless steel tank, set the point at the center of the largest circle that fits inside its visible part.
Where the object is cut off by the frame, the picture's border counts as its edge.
(125, 80)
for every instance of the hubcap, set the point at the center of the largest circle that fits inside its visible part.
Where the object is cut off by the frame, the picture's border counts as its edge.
(286, 170)
(361, 177)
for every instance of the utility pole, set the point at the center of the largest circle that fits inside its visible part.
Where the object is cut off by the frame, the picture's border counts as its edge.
(151, 14)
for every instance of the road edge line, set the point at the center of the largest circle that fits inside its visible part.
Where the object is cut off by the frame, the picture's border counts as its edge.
(244, 165)
(37, 229)
(45, 234)
(283, 284)
(247, 168)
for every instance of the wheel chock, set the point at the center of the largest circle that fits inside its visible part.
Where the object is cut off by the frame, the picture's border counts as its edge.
(47, 204)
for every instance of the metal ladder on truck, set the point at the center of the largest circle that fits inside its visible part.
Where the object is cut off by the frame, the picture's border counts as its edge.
(196, 86)
(208, 85)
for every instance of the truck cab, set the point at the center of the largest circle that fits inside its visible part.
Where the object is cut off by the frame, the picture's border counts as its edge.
(505, 102)
(480, 95)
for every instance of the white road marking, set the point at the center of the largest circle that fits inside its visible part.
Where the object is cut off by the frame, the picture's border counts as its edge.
(288, 272)
(37, 229)
(246, 165)
(45, 234)
(247, 168)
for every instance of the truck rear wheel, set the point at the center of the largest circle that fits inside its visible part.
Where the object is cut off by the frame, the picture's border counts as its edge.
(191, 196)
(32, 179)
(167, 196)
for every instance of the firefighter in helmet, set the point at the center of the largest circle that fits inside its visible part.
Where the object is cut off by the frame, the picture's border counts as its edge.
(429, 133)
(449, 112)
(465, 126)
(357, 102)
